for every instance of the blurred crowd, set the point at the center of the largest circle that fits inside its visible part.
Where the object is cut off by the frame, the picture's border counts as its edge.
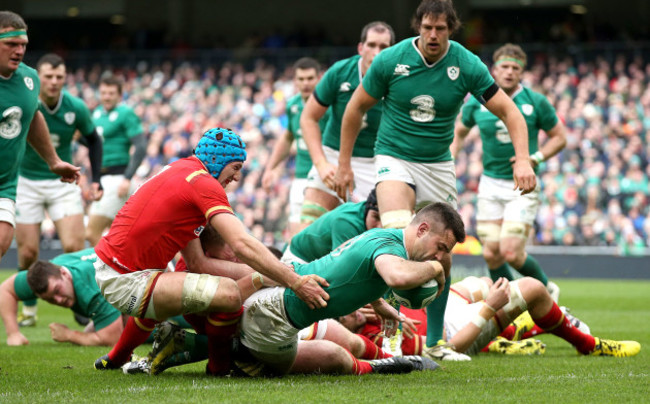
(594, 193)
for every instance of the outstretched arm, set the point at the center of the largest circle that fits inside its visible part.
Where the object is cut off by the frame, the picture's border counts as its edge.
(278, 154)
(8, 309)
(257, 256)
(399, 273)
(107, 336)
(311, 133)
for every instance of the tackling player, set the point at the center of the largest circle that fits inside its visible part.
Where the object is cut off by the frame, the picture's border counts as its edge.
(120, 128)
(39, 189)
(422, 82)
(165, 216)
(505, 217)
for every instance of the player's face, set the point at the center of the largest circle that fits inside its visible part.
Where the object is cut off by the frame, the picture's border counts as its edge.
(507, 74)
(434, 37)
(372, 220)
(230, 173)
(375, 42)
(12, 51)
(353, 321)
(222, 252)
(432, 245)
(60, 291)
(52, 79)
(109, 96)
(305, 80)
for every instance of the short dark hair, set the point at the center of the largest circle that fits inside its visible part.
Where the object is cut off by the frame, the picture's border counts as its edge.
(210, 237)
(436, 8)
(307, 63)
(441, 212)
(39, 274)
(51, 59)
(380, 27)
(110, 80)
(9, 19)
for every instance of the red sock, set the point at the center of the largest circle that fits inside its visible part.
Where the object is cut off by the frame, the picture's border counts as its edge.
(533, 332)
(508, 332)
(556, 323)
(220, 328)
(136, 332)
(197, 322)
(359, 367)
(372, 351)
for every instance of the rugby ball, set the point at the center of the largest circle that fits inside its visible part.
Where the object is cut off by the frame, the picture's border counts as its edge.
(417, 297)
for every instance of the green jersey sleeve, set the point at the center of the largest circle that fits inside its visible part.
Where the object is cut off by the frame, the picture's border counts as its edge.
(83, 120)
(467, 113)
(376, 80)
(21, 287)
(132, 123)
(546, 113)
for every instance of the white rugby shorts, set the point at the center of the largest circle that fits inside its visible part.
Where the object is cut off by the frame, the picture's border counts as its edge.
(33, 197)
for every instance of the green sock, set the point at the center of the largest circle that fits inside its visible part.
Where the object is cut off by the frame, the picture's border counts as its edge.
(501, 272)
(197, 346)
(31, 303)
(436, 316)
(531, 268)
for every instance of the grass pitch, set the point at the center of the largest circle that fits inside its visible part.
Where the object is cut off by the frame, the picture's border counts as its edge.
(50, 372)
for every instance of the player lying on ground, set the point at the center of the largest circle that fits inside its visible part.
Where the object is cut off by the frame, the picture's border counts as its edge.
(67, 281)
(478, 310)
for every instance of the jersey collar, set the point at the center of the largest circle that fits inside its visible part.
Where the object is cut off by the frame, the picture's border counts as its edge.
(359, 69)
(56, 107)
(519, 89)
(427, 64)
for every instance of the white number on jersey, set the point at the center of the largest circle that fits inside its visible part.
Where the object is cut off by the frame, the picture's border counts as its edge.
(10, 125)
(424, 111)
(56, 140)
(502, 133)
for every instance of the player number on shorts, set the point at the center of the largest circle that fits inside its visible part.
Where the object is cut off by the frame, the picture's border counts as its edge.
(10, 125)
(424, 111)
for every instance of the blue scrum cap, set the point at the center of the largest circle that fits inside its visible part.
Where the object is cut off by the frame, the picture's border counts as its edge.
(218, 147)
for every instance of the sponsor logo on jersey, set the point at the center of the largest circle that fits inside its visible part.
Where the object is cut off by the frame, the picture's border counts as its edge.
(345, 87)
(453, 72)
(198, 231)
(402, 70)
(113, 116)
(69, 117)
(29, 83)
(450, 198)
(97, 114)
(527, 109)
(10, 125)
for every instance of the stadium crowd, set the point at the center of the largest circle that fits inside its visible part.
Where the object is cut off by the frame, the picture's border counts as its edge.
(595, 192)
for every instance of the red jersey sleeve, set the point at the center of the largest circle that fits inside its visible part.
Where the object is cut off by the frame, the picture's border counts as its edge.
(208, 194)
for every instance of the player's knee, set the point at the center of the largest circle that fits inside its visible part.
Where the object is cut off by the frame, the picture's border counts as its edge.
(488, 232)
(72, 245)
(199, 291)
(396, 219)
(27, 254)
(311, 211)
(228, 295)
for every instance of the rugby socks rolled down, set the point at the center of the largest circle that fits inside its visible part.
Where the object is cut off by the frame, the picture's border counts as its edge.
(555, 322)
(532, 268)
(220, 329)
(135, 333)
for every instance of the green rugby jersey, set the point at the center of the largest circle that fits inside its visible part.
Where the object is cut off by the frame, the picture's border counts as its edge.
(497, 145)
(335, 90)
(421, 100)
(116, 127)
(69, 114)
(18, 104)
(329, 231)
(351, 273)
(89, 301)
(295, 106)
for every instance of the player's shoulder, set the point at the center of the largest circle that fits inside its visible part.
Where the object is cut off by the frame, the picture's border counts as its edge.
(74, 101)
(460, 52)
(344, 65)
(296, 99)
(532, 95)
(28, 76)
(122, 108)
(26, 71)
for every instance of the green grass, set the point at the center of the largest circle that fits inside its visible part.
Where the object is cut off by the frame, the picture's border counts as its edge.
(50, 372)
